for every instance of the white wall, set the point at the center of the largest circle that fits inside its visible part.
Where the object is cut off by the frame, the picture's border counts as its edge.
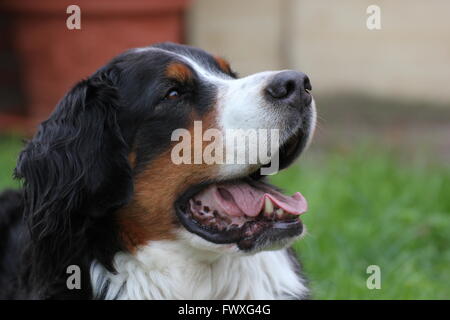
(246, 32)
(408, 58)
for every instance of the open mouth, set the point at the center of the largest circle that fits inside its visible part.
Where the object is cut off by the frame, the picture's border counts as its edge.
(246, 211)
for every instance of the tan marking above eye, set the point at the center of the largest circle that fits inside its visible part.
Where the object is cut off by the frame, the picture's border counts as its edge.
(179, 71)
(223, 64)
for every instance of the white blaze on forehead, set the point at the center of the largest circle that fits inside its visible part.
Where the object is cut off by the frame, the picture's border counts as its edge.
(214, 76)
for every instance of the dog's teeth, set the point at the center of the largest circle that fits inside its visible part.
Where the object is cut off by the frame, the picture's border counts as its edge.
(279, 213)
(225, 218)
(268, 206)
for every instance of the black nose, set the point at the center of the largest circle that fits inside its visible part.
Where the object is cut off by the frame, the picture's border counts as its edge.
(290, 87)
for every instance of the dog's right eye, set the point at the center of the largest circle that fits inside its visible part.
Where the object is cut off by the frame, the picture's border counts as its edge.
(172, 94)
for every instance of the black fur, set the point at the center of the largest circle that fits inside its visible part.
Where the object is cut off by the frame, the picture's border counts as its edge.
(76, 174)
(11, 229)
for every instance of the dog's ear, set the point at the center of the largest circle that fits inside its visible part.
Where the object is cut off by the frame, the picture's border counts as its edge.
(77, 161)
(75, 169)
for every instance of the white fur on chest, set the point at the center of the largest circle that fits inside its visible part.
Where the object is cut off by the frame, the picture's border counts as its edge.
(168, 270)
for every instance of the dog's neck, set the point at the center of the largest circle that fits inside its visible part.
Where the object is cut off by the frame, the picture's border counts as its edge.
(168, 270)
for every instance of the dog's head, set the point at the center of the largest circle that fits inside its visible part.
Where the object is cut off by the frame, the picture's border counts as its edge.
(108, 161)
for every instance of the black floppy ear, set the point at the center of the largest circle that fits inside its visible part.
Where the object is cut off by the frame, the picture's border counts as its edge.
(75, 169)
(78, 158)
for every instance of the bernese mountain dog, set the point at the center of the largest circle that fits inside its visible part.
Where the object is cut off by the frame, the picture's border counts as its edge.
(101, 194)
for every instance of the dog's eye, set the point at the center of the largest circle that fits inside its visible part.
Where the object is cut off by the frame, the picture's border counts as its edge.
(172, 94)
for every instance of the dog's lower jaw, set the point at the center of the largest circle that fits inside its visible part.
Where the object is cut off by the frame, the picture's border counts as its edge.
(173, 270)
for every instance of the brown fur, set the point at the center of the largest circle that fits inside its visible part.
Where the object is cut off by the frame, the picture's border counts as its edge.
(223, 64)
(132, 159)
(179, 71)
(150, 215)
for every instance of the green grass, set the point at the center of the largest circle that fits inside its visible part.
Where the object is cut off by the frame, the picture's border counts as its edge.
(366, 207)
(10, 147)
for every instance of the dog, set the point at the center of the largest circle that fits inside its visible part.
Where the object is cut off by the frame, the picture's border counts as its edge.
(102, 198)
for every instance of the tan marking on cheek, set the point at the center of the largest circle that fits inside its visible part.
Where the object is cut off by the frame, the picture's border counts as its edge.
(223, 64)
(132, 159)
(179, 72)
(151, 215)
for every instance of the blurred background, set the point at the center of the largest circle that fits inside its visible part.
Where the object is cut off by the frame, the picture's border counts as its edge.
(377, 174)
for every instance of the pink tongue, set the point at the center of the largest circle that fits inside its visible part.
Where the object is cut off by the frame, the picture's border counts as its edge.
(241, 198)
